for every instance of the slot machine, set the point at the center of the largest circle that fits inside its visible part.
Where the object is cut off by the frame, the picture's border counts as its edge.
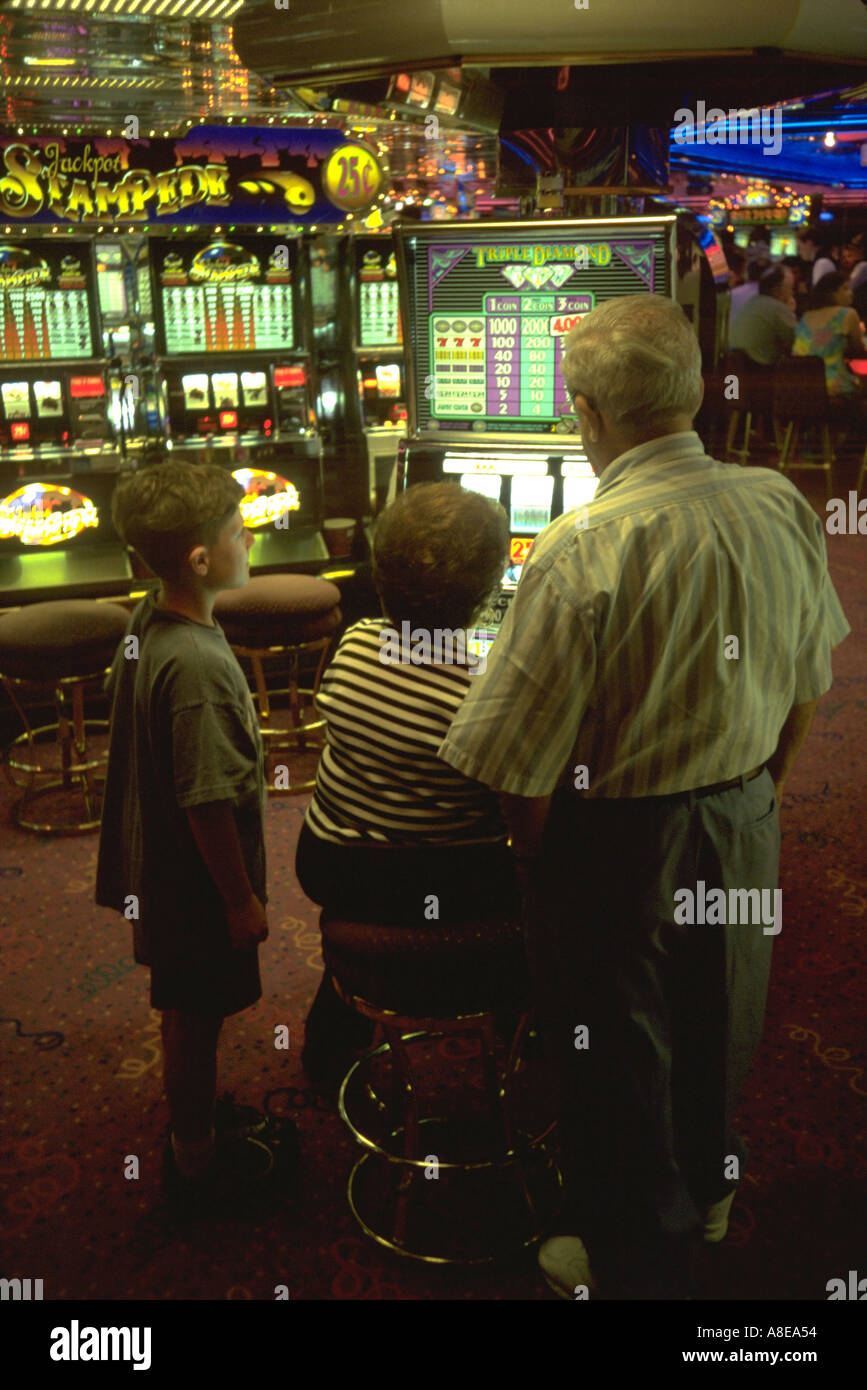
(55, 413)
(376, 410)
(233, 340)
(487, 309)
(59, 452)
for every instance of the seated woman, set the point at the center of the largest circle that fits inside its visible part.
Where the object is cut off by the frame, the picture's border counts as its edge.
(392, 834)
(830, 330)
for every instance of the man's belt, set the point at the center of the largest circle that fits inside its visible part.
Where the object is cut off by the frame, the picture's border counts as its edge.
(732, 782)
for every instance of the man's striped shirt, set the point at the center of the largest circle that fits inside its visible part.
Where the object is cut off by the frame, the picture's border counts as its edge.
(617, 653)
(379, 778)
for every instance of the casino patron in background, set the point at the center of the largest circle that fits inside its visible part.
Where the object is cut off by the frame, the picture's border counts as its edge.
(653, 681)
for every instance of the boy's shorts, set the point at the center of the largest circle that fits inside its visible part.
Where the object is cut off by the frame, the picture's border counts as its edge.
(217, 986)
(192, 963)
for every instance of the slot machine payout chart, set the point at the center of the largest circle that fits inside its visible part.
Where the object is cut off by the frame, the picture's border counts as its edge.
(379, 316)
(228, 318)
(489, 309)
(224, 296)
(506, 362)
(45, 302)
(378, 304)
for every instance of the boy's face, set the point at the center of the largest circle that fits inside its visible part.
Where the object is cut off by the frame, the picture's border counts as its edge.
(228, 559)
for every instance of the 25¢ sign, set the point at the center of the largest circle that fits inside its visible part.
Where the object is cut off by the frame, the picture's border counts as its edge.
(352, 177)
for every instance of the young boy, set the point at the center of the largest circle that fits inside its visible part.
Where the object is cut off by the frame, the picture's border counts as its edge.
(181, 849)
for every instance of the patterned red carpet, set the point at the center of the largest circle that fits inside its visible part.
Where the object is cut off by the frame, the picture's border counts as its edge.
(83, 1087)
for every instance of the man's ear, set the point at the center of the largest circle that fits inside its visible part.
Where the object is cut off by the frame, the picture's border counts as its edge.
(591, 423)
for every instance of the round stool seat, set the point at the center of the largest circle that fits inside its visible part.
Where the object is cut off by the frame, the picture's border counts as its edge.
(435, 971)
(279, 610)
(45, 642)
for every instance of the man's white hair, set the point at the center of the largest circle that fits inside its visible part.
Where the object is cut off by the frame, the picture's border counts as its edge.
(637, 360)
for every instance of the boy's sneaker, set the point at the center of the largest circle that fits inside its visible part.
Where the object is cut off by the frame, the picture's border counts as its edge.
(234, 1121)
(241, 1170)
(565, 1264)
(280, 1135)
(716, 1219)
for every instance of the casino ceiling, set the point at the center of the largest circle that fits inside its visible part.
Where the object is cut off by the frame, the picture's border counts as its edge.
(88, 63)
(86, 66)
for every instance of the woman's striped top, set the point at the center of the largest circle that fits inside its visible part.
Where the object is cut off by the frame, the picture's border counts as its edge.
(379, 778)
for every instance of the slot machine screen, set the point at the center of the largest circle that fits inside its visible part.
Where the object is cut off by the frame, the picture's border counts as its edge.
(531, 504)
(254, 386)
(783, 243)
(225, 388)
(47, 296)
(483, 483)
(237, 295)
(489, 310)
(578, 491)
(145, 295)
(16, 400)
(376, 285)
(110, 281)
(49, 399)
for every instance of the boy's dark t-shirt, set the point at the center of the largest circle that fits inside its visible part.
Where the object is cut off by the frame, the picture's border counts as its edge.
(184, 733)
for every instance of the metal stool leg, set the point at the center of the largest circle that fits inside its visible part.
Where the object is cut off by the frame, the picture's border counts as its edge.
(73, 769)
(528, 1191)
(409, 1175)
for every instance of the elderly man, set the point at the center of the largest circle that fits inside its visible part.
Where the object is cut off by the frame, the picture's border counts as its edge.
(653, 681)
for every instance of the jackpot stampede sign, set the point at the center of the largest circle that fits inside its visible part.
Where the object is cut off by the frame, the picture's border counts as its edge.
(210, 175)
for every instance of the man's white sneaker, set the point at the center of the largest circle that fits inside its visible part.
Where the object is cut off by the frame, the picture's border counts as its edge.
(566, 1266)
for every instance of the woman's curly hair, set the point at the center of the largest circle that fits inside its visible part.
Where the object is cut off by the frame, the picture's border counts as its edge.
(439, 553)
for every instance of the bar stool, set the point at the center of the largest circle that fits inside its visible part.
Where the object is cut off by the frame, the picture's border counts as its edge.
(285, 620)
(437, 1188)
(59, 647)
(740, 409)
(801, 401)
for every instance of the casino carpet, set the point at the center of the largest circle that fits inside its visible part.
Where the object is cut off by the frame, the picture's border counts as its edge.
(83, 1079)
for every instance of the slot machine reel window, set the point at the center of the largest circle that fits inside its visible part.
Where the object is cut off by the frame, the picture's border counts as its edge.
(196, 391)
(33, 413)
(483, 483)
(254, 386)
(225, 386)
(49, 399)
(16, 400)
(531, 504)
(577, 492)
